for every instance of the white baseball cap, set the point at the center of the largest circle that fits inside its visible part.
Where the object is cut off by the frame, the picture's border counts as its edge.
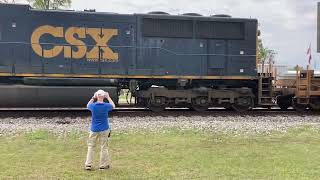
(100, 92)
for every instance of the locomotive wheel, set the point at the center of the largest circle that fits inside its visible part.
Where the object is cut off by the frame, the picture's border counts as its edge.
(284, 102)
(283, 107)
(200, 104)
(242, 104)
(298, 107)
(158, 104)
(228, 107)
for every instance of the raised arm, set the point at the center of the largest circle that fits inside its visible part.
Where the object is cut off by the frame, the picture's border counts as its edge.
(110, 100)
(90, 101)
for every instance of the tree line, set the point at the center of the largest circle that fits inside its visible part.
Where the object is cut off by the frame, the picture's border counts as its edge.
(45, 4)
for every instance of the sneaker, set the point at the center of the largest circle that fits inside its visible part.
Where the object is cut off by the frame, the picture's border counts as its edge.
(103, 168)
(88, 168)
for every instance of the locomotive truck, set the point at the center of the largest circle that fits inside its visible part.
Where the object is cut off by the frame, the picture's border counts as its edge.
(58, 58)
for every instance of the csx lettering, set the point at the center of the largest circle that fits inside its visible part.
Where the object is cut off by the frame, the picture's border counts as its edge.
(99, 35)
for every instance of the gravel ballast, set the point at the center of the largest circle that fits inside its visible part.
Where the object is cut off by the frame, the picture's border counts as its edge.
(232, 123)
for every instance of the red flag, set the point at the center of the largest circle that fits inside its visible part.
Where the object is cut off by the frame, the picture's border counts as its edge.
(309, 54)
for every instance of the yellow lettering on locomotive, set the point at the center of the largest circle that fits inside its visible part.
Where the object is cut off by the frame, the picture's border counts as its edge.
(93, 54)
(76, 48)
(102, 36)
(80, 45)
(35, 41)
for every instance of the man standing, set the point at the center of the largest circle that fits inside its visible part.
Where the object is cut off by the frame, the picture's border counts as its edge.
(99, 128)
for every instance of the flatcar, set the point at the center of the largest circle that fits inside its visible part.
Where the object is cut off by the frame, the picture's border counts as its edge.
(58, 58)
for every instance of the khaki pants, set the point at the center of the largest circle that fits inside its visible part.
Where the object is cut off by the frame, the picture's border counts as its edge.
(92, 141)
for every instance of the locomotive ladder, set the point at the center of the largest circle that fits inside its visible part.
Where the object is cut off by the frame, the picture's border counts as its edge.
(265, 92)
(303, 82)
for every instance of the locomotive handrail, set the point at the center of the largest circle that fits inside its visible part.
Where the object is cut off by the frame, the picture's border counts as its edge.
(315, 85)
(139, 47)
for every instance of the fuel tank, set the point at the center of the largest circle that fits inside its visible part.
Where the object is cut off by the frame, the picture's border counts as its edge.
(27, 96)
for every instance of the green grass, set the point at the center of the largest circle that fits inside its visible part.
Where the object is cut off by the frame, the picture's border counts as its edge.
(172, 154)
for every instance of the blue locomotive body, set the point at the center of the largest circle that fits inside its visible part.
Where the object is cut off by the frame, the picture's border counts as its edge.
(50, 49)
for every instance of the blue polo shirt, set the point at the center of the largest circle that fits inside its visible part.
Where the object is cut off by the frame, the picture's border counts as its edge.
(99, 112)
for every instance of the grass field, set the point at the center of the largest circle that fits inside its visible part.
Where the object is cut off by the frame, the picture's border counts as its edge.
(173, 154)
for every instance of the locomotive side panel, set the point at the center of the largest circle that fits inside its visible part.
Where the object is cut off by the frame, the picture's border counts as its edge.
(67, 43)
(46, 42)
(104, 45)
(196, 46)
(170, 49)
(12, 30)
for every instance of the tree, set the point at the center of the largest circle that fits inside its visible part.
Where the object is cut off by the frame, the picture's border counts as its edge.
(7, 1)
(298, 68)
(265, 55)
(50, 4)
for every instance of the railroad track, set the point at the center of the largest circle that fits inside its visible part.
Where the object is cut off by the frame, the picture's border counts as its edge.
(140, 112)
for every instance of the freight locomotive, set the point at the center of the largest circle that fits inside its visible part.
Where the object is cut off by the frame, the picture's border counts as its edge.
(58, 58)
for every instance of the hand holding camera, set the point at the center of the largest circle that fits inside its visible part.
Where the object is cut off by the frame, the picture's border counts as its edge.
(106, 95)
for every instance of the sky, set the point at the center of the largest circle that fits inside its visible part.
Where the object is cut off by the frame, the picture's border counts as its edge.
(287, 26)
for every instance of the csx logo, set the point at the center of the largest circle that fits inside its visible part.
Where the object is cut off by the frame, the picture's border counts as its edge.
(99, 35)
